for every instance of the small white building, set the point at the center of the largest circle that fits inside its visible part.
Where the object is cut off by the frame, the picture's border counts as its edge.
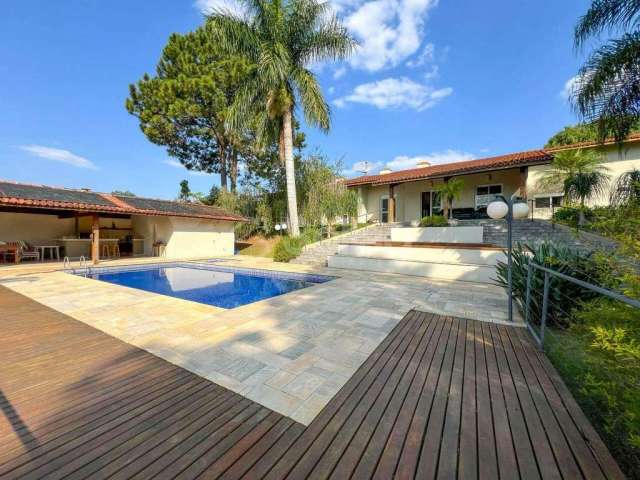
(84, 223)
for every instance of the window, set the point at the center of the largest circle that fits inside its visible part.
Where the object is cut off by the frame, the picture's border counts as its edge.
(546, 201)
(431, 204)
(486, 193)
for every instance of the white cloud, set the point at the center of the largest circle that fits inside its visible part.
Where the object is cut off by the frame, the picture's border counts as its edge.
(209, 6)
(176, 164)
(569, 87)
(59, 155)
(426, 56)
(395, 93)
(339, 73)
(363, 168)
(403, 162)
(389, 31)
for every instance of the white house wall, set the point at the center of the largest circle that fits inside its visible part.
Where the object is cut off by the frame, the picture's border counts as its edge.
(34, 228)
(617, 161)
(186, 237)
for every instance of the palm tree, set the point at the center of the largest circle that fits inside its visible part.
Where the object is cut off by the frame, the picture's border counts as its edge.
(608, 84)
(282, 38)
(450, 190)
(626, 190)
(585, 185)
(566, 164)
(579, 174)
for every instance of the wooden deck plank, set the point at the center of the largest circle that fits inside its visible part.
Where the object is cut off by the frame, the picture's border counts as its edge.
(347, 447)
(390, 455)
(401, 400)
(507, 463)
(440, 397)
(487, 446)
(335, 412)
(412, 443)
(332, 441)
(432, 437)
(447, 466)
(468, 439)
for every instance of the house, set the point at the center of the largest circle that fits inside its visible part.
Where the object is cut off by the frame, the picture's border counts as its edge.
(409, 195)
(93, 224)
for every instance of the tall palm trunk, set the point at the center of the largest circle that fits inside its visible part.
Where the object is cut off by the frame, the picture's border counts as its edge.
(292, 201)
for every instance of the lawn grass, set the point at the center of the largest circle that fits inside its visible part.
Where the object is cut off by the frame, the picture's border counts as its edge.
(599, 359)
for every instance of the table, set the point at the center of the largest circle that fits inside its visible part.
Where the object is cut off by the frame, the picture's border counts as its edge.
(52, 248)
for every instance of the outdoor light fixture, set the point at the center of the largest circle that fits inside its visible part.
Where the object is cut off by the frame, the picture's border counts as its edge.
(509, 209)
(277, 227)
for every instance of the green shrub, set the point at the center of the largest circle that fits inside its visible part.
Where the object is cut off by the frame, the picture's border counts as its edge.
(599, 359)
(434, 221)
(570, 216)
(561, 259)
(288, 248)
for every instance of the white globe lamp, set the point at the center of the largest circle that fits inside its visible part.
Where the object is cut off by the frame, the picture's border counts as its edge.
(520, 210)
(497, 209)
(284, 226)
(277, 227)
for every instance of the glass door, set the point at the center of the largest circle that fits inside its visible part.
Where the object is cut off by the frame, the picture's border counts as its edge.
(425, 209)
(384, 210)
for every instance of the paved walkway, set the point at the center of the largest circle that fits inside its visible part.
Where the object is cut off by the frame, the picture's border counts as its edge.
(290, 353)
(439, 397)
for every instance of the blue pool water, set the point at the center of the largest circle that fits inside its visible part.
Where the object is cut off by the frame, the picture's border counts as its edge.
(219, 286)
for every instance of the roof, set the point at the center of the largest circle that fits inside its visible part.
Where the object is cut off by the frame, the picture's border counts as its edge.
(518, 159)
(532, 157)
(55, 198)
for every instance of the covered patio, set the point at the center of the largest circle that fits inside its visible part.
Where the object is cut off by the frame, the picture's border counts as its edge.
(41, 223)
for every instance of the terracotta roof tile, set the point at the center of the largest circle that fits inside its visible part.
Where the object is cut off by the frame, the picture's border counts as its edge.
(42, 196)
(532, 157)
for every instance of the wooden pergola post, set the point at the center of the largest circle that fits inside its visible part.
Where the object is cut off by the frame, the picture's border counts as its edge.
(392, 204)
(95, 239)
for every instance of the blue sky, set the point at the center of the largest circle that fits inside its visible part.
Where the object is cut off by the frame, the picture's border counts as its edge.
(448, 80)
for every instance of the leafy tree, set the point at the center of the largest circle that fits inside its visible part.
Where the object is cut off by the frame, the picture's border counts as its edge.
(579, 173)
(608, 84)
(626, 189)
(185, 106)
(450, 190)
(582, 132)
(325, 196)
(185, 191)
(281, 38)
(123, 193)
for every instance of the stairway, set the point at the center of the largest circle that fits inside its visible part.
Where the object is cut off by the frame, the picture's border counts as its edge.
(316, 253)
(538, 231)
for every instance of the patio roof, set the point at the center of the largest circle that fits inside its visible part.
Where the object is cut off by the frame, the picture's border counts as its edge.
(21, 195)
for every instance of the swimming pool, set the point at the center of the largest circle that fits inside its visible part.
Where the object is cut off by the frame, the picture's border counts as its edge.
(224, 287)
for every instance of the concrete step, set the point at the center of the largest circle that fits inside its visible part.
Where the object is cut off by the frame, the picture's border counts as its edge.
(445, 271)
(449, 255)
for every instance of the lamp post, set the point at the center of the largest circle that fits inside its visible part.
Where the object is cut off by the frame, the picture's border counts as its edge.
(509, 209)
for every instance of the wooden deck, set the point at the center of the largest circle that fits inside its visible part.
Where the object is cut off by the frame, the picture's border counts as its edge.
(440, 397)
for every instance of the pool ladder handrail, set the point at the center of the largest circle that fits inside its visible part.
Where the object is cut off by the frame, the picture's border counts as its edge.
(66, 264)
(83, 265)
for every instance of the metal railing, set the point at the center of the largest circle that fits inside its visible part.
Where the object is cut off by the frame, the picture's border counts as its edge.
(548, 274)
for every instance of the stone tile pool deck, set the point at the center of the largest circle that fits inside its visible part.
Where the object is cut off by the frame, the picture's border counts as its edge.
(290, 353)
